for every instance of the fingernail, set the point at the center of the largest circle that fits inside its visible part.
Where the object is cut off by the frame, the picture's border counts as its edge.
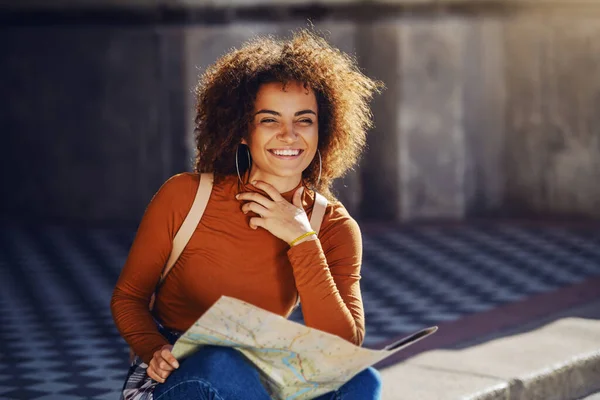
(237, 196)
(176, 365)
(254, 182)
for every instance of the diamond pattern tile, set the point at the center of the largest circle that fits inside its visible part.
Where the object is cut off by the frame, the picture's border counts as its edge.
(59, 341)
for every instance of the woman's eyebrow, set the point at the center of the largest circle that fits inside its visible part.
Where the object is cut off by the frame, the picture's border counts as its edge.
(268, 112)
(279, 114)
(305, 112)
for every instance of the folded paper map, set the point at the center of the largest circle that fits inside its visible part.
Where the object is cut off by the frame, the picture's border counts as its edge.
(296, 362)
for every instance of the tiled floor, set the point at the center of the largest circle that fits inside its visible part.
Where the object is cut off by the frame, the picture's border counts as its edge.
(59, 342)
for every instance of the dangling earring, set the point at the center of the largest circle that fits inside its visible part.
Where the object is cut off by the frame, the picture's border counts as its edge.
(320, 167)
(237, 165)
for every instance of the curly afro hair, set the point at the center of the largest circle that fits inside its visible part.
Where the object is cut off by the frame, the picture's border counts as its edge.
(227, 90)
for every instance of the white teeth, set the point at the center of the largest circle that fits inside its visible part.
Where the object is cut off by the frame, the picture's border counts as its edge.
(286, 152)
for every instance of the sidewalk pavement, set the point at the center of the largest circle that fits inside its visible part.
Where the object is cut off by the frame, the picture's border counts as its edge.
(554, 356)
(469, 279)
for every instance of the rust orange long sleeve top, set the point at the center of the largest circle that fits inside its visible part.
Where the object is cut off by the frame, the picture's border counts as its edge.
(226, 257)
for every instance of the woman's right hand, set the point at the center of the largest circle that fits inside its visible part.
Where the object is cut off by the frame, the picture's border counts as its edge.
(162, 364)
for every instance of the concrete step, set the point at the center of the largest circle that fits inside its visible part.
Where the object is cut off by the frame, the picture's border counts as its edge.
(558, 361)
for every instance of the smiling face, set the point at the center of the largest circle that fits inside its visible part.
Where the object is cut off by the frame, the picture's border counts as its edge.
(284, 133)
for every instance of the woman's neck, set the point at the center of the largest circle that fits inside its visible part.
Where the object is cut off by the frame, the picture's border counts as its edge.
(281, 184)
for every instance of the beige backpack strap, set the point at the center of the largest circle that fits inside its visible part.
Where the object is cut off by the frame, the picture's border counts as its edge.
(316, 218)
(318, 212)
(184, 233)
(191, 221)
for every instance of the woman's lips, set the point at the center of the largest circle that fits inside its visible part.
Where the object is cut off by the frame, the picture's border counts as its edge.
(286, 157)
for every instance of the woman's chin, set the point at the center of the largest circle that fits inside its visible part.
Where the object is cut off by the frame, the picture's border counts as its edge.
(280, 173)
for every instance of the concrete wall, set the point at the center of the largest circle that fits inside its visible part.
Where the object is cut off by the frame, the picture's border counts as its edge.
(92, 120)
(553, 119)
(490, 107)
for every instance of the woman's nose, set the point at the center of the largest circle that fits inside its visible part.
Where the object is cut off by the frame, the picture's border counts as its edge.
(287, 134)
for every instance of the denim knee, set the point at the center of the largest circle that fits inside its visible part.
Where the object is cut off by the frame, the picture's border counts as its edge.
(370, 377)
(219, 354)
(189, 389)
(213, 359)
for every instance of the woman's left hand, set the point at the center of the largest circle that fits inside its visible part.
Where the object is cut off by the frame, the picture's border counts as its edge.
(283, 219)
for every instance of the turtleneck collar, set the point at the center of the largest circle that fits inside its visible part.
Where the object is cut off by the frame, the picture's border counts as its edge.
(246, 186)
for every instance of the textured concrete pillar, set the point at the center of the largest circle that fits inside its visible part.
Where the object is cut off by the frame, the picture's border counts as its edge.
(431, 158)
(484, 99)
(437, 147)
(553, 132)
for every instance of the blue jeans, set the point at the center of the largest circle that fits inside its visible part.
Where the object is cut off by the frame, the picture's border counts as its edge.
(222, 373)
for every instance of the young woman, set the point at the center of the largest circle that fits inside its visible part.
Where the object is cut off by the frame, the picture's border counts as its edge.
(276, 122)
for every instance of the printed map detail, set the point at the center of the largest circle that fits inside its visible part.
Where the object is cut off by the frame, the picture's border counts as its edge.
(296, 362)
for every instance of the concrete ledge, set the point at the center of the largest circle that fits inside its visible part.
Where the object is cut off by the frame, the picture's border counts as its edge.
(411, 382)
(572, 379)
(558, 361)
